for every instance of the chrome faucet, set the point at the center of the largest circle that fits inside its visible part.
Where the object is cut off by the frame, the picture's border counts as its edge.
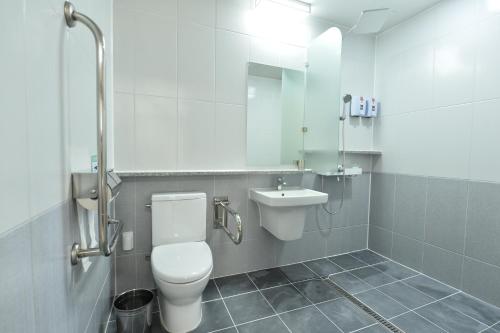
(281, 182)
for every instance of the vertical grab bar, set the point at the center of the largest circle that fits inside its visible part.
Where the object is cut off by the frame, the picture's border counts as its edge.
(72, 16)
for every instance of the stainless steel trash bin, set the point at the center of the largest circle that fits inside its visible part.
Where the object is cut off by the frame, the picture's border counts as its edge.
(134, 311)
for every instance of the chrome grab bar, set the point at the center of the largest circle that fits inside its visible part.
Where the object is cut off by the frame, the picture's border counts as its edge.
(105, 247)
(221, 208)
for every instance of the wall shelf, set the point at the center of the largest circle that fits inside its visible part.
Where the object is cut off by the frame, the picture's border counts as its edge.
(349, 172)
(362, 152)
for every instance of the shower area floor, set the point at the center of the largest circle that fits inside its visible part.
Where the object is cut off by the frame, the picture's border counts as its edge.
(299, 298)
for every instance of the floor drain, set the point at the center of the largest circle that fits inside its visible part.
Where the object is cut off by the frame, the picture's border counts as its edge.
(365, 308)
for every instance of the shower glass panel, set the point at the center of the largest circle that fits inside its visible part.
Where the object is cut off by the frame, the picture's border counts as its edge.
(322, 102)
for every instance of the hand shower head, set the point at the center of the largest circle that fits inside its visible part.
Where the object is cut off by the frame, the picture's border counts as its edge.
(347, 98)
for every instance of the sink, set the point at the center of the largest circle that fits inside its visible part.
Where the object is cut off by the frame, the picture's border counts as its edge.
(283, 213)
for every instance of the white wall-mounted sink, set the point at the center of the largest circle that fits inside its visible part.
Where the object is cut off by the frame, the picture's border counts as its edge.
(283, 213)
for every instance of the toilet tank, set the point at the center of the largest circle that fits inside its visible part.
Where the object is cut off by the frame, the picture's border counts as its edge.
(178, 217)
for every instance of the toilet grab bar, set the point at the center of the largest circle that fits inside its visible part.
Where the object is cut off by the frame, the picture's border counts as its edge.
(105, 247)
(222, 208)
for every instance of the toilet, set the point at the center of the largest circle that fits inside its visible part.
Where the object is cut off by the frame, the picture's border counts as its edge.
(181, 260)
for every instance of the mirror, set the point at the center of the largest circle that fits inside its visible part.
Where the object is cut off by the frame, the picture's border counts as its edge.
(275, 116)
(294, 115)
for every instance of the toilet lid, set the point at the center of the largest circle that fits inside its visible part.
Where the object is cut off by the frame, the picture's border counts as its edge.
(181, 262)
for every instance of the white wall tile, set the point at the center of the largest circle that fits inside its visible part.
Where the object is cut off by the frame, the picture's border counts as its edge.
(196, 62)
(387, 88)
(265, 52)
(416, 78)
(198, 11)
(123, 49)
(196, 135)
(232, 15)
(484, 161)
(124, 131)
(487, 9)
(232, 52)
(159, 8)
(452, 15)
(49, 175)
(156, 55)
(14, 202)
(293, 57)
(488, 67)
(454, 68)
(230, 136)
(155, 133)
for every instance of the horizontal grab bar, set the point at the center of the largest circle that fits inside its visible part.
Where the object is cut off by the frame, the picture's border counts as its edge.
(222, 208)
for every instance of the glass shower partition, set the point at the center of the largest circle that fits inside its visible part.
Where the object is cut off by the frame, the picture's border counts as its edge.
(322, 102)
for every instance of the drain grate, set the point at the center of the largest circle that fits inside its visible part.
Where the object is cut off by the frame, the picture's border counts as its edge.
(365, 308)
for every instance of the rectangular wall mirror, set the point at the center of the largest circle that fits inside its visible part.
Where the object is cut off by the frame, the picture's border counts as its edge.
(275, 115)
(294, 115)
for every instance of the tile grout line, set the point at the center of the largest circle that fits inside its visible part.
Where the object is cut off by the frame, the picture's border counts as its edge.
(341, 330)
(487, 328)
(458, 291)
(262, 295)
(427, 190)
(465, 237)
(225, 306)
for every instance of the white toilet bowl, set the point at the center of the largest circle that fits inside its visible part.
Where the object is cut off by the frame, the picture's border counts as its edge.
(181, 272)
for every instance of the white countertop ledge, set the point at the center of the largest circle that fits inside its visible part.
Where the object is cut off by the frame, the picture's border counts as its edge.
(164, 173)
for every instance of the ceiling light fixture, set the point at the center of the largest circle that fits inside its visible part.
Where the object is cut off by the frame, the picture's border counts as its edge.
(295, 4)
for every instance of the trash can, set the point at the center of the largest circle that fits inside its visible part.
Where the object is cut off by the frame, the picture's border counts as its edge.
(134, 312)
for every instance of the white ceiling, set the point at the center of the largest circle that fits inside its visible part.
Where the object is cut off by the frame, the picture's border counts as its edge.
(346, 12)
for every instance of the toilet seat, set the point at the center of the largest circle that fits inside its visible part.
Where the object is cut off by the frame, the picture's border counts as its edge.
(181, 263)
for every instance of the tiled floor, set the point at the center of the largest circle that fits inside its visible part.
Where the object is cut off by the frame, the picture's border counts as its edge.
(295, 299)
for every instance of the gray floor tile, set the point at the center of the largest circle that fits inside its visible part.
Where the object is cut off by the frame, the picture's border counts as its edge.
(479, 310)
(395, 270)
(267, 278)
(285, 298)
(494, 329)
(450, 319)
(308, 320)
(317, 290)
(382, 304)
(350, 283)
(347, 316)
(413, 323)
(228, 330)
(248, 307)
(210, 293)
(406, 295)
(373, 276)
(377, 328)
(368, 256)
(297, 272)
(347, 261)
(156, 326)
(234, 285)
(215, 317)
(271, 324)
(430, 287)
(323, 267)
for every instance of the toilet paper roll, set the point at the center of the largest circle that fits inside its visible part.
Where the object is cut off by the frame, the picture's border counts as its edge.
(127, 240)
(91, 204)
